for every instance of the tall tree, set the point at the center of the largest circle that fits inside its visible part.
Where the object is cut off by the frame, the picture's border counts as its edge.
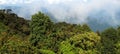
(40, 26)
(109, 39)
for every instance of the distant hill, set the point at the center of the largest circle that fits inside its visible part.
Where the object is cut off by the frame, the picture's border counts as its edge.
(14, 23)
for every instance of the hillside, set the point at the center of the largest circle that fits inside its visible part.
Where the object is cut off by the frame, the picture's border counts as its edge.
(15, 24)
(41, 35)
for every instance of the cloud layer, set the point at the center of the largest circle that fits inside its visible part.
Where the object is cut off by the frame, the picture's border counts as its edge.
(73, 11)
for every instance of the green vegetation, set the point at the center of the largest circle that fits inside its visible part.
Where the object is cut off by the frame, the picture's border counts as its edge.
(86, 43)
(42, 36)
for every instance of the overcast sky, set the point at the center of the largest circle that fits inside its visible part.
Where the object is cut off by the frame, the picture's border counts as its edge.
(67, 10)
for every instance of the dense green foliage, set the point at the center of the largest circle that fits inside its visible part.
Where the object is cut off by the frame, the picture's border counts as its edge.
(110, 40)
(42, 36)
(16, 25)
(86, 43)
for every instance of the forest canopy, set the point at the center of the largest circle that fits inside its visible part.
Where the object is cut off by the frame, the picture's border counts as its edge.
(41, 35)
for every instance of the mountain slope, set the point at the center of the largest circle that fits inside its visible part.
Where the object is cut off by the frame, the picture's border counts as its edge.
(16, 25)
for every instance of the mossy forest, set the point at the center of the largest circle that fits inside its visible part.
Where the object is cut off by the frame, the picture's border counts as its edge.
(41, 35)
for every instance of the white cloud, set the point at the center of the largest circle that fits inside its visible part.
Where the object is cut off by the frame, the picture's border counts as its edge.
(75, 11)
(85, 0)
(58, 1)
(53, 1)
(5, 2)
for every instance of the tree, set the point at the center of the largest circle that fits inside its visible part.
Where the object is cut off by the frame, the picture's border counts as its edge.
(8, 11)
(117, 45)
(86, 43)
(109, 39)
(86, 28)
(40, 26)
